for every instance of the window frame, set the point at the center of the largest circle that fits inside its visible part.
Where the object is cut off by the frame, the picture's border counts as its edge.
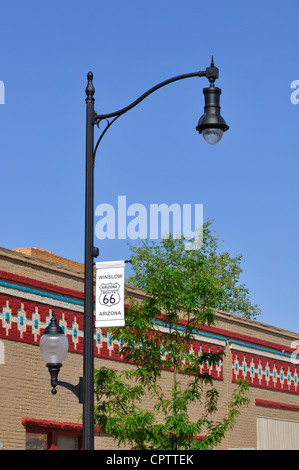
(53, 429)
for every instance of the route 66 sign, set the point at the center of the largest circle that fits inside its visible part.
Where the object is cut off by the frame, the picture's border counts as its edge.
(110, 294)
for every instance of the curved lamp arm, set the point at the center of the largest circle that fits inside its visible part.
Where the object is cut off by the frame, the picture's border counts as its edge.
(212, 73)
(100, 117)
(75, 389)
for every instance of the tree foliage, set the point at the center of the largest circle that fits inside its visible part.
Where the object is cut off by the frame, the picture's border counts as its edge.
(182, 290)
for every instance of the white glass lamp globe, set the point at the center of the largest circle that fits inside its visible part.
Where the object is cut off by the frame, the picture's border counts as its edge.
(54, 343)
(212, 136)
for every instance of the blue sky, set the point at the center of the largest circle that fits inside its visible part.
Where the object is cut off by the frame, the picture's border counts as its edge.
(248, 183)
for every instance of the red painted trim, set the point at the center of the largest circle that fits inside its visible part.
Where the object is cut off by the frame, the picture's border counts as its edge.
(51, 425)
(274, 404)
(54, 425)
(41, 285)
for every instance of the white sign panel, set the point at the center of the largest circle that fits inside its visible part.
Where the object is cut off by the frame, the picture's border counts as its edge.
(110, 283)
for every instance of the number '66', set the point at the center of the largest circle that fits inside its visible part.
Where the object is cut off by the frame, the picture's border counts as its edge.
(107, 300)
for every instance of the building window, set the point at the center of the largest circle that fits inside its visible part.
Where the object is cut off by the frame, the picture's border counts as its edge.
(36, 441)
(67, 443)
(277, 434)
(49, 435)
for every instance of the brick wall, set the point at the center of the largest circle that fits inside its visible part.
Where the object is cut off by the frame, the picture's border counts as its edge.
(33, 282)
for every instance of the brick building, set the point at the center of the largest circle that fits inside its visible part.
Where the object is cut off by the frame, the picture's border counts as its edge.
(33, 282)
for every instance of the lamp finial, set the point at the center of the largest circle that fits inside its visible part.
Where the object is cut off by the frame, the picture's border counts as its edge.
(90, 88)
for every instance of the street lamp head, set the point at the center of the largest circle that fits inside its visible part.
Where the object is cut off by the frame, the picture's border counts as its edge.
(212, 125)
(53, 343)
(54, 347)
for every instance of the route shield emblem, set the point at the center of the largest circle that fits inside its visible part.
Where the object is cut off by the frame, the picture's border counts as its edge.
(109, 294)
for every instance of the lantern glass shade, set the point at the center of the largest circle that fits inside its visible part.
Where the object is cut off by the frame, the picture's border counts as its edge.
(54, 347)
(212, 136)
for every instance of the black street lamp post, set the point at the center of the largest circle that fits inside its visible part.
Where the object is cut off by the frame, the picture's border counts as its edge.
(211, 125)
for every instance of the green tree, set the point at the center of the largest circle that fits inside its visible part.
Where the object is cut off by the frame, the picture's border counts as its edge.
(182, 289)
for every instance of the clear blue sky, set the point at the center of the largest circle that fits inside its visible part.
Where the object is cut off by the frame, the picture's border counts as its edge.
(248, 182)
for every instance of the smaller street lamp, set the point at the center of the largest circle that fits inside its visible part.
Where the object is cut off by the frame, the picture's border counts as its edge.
(54, 347)
(212, 125)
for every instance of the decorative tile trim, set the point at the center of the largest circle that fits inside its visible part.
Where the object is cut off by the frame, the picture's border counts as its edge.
(264, 369)
(25, 319)
(25, 312)
(35, 287)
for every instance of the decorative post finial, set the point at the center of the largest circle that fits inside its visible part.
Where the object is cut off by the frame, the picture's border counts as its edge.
(212, 73)
(90, 88)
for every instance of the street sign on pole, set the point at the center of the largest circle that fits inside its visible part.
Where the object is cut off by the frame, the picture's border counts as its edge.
(109, 296)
